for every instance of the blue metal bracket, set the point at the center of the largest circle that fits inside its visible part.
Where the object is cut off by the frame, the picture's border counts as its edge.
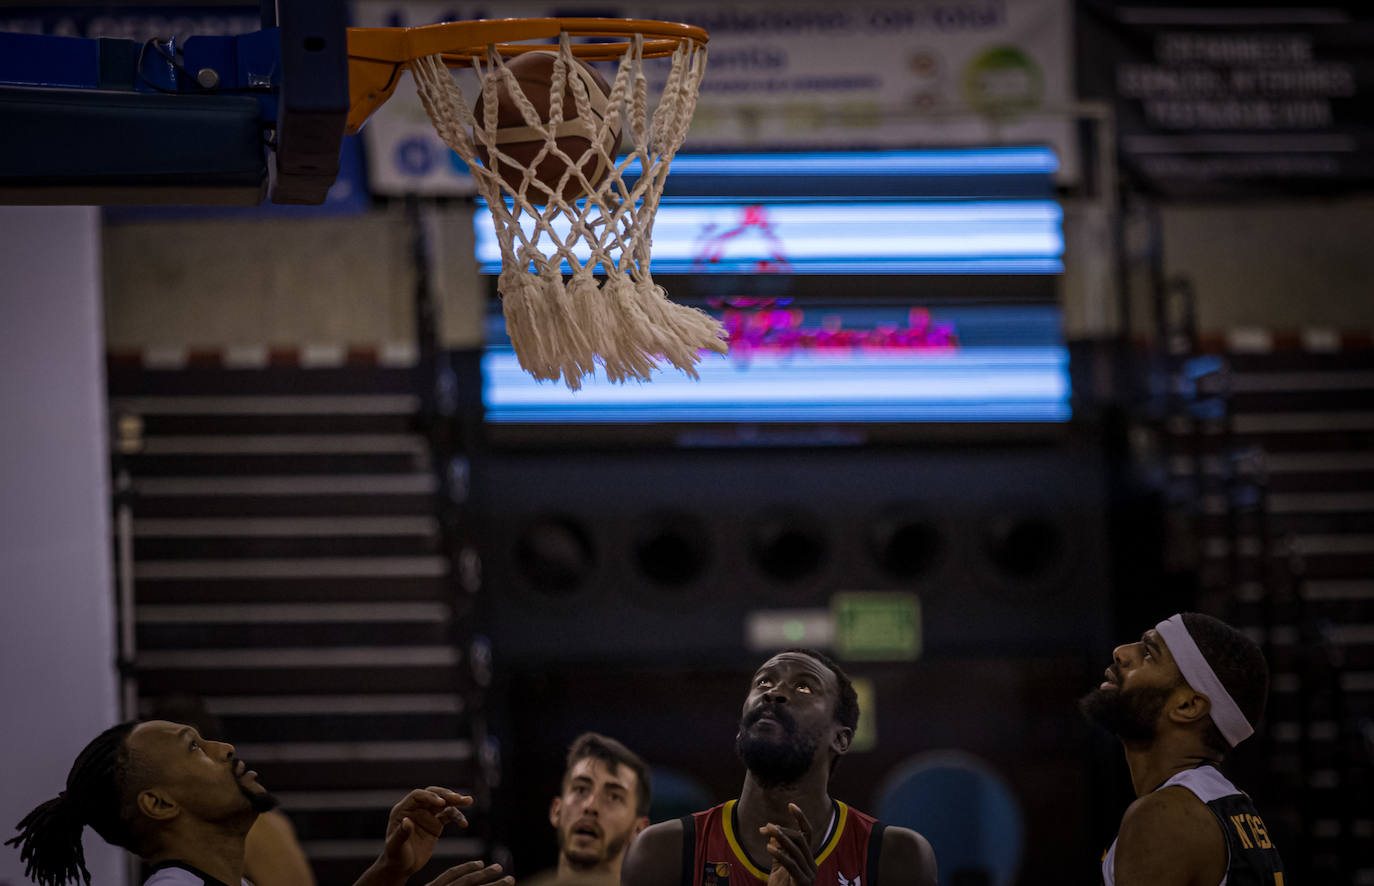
(99, 120)
(220, 65)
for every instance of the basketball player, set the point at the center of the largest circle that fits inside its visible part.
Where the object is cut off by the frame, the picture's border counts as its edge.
(785, 829)
(603, 805)
(272, 854)
(1179, 699)
(185, 806)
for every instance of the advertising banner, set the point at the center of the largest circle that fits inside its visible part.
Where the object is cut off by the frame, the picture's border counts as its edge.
(1235, 101)
(798, 75)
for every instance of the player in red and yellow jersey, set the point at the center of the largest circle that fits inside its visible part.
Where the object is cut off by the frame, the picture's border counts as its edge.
(785, 829)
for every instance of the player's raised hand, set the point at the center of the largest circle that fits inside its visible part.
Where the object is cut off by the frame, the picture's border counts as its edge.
(790, 847)
(415, 823)
(473, 873)
(412, 830)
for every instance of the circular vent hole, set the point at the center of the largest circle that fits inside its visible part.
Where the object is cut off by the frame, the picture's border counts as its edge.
(1026, 549)
(788, 548)
(554, 554)
(673, 551)
(905, 547)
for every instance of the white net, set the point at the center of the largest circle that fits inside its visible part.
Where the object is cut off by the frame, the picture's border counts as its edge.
(562, 325)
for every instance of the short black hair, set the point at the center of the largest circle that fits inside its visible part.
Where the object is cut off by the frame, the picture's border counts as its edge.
(847, 704)
(99, 794)
(1239, 665)
(613, 754)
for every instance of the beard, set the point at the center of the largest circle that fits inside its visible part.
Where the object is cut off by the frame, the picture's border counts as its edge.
(587, 860)
(775, 761)
(1130, 716)
(260, 801)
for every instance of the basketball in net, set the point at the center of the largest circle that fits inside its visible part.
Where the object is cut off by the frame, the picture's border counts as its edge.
(530, 143)
(575, 283)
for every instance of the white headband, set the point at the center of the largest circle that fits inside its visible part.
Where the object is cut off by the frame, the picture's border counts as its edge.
(1200, 676)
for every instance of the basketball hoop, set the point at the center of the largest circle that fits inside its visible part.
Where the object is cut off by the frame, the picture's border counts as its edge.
(561, 327)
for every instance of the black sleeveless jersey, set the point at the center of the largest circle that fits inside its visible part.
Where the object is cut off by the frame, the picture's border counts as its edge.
(1251, 858)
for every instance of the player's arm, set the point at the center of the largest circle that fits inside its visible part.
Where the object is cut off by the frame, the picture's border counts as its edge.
(906, 859)
(1169, 838)
(654, 857)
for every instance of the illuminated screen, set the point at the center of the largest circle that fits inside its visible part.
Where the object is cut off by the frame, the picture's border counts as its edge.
(964, 211)
(811, 261)
(912, 237)
(959, 363)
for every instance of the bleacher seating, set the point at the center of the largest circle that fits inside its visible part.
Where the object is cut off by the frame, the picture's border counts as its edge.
(1294, 553)
(289, 568)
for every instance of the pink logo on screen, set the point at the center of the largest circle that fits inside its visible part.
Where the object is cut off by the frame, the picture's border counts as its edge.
(752, 221)
(773, 328)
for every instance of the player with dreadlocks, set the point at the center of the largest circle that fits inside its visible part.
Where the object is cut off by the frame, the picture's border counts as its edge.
(185, 805)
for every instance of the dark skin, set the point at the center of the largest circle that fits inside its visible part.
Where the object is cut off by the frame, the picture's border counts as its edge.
(412, 833)
(1168, 837)
(785, 824)
(193, 809)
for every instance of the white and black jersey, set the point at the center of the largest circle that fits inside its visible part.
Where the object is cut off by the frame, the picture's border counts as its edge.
(1251, 859)
(179, 873)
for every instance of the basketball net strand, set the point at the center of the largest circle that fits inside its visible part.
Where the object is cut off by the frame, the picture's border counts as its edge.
(562, 327)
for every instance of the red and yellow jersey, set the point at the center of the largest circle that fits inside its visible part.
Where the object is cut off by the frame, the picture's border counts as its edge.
(712, 853)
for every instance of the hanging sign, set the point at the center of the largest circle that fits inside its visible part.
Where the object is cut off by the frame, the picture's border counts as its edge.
(799, 74)
(1236, 101)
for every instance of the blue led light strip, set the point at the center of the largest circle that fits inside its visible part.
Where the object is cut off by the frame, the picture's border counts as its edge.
(973, 384)
(971, 161)
(912, 237)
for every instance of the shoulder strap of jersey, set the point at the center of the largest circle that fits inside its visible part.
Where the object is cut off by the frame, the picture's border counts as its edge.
(689, 848)
(177, 865)
(875, 853)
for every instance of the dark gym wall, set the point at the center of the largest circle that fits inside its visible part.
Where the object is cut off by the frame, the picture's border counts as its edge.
(1017, 713)
(618, 585)
(658, 556)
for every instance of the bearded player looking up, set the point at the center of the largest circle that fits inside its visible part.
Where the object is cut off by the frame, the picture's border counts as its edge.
(602, 805)
(185, 804)
(1180, 699)
(785, 830)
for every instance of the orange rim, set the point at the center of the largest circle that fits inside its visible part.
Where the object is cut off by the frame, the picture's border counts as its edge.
(377, 55)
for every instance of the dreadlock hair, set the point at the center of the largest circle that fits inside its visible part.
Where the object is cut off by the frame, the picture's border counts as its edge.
(613, 755)
(49, 838)
(1239, 665)
(847, 703)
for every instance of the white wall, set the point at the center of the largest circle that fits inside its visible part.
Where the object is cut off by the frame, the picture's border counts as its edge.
(333, 280)
(57, 680)
(1276, 265)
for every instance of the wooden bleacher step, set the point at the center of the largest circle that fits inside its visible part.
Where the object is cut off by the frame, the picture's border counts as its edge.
(1312, 415)
(289, 569)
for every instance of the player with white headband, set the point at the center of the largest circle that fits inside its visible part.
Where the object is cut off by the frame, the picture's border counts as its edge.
(1190, 690)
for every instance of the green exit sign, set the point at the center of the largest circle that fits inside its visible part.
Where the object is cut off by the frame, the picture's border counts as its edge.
(877, 625)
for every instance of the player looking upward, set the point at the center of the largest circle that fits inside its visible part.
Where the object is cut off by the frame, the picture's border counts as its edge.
(185, 805)
(602, 805)
(1180, 699)
(785, 829)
